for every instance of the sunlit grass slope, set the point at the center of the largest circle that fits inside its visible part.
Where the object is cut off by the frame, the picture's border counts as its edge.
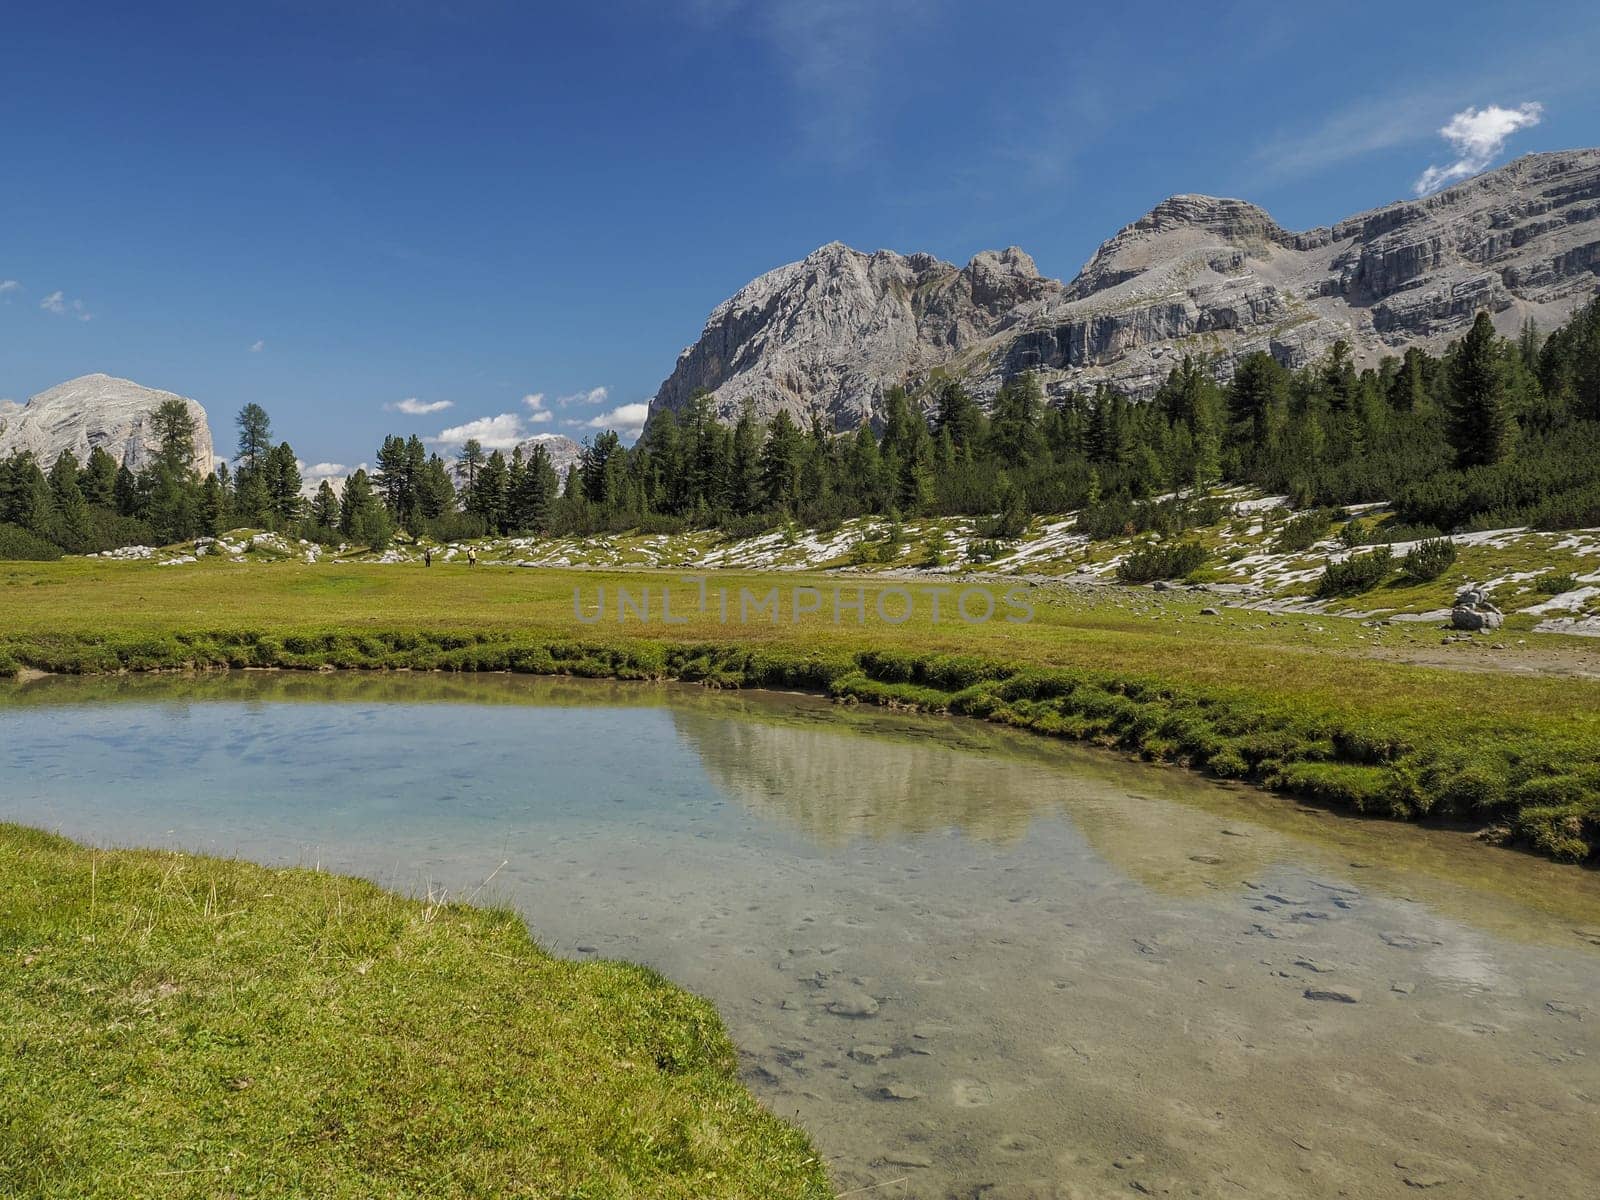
(181, 1026)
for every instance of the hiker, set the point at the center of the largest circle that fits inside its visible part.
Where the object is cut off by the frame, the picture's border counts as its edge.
(427, 556)
(472, 556)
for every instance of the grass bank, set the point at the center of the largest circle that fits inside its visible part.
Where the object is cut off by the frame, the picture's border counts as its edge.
(1297, 705)
(188, 1026)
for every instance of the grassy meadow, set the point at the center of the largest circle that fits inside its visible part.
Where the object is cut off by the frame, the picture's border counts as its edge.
(185, 1026)
(1331, 710)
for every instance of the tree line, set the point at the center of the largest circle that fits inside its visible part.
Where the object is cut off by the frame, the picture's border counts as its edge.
(1492, 432)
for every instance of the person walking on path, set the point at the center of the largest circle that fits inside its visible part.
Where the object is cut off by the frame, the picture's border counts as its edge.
(472, 556)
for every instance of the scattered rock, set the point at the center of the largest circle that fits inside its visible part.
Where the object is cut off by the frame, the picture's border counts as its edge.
(1334, 995)
(897, 1091)
(853, 1004)
(1311, 964)
(870, 1054)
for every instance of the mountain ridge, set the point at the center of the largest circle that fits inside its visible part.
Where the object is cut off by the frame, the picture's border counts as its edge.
(1215, 276)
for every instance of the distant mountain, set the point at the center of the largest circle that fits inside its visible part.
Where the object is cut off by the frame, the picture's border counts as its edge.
(96, 410)
(563, 451)
(1196, 275)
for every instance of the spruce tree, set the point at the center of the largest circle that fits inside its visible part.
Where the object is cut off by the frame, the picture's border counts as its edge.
(1480, 428)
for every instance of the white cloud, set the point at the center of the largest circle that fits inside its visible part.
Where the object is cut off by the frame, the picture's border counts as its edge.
(501, 432)
(538, 414)
(57, 303)
(592, 396)
(7, 286)
(257, 346)
(1477, 136)
(413, 407)
(312, 477)
(627, 419)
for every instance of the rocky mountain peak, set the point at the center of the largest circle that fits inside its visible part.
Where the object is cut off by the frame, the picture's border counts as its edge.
(1235, 220)
(97, 410)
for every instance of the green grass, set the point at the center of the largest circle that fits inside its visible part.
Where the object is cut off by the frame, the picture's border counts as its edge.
(1314, 708)
(183, 1026)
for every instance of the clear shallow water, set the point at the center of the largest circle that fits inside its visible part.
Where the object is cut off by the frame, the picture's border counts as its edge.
(970, 963)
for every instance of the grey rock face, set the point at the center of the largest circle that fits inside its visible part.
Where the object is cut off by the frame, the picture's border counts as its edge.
(828, 335)
(96, 410)
(1197, 275)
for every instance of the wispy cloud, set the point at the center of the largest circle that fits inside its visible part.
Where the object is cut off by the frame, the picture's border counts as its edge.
(502, 432)
(7, 286)
(837, 56)
(56, 302)
(413, 407)
(1477, 135)
(257, 346)
(596, 395)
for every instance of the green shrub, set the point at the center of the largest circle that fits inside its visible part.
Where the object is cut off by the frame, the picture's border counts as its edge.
(1303, 531)
(1152, 562)
(1554, 584)
(1356, 574)
(1428, 560)
(17, 543)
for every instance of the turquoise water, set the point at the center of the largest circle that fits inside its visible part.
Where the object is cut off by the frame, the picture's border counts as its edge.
(970, 963)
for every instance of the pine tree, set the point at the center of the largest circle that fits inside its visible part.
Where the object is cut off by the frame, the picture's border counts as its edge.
(534, 500)
(283, 484)
(957, 416)
(468, 465)
(744, 467)
(125, 495)
(780, 463)
(324, 513)
(865, 470)
(362, 517)
(70, 530)
(174, 430)
(1481, 428)
(1014, 423)
(488, 496)
(255, 436)
(213, 506)
(25, 497)
(98, 479)
(393, 479)
(436, 495)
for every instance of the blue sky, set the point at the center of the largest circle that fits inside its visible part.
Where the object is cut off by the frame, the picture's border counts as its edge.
(332, 209)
